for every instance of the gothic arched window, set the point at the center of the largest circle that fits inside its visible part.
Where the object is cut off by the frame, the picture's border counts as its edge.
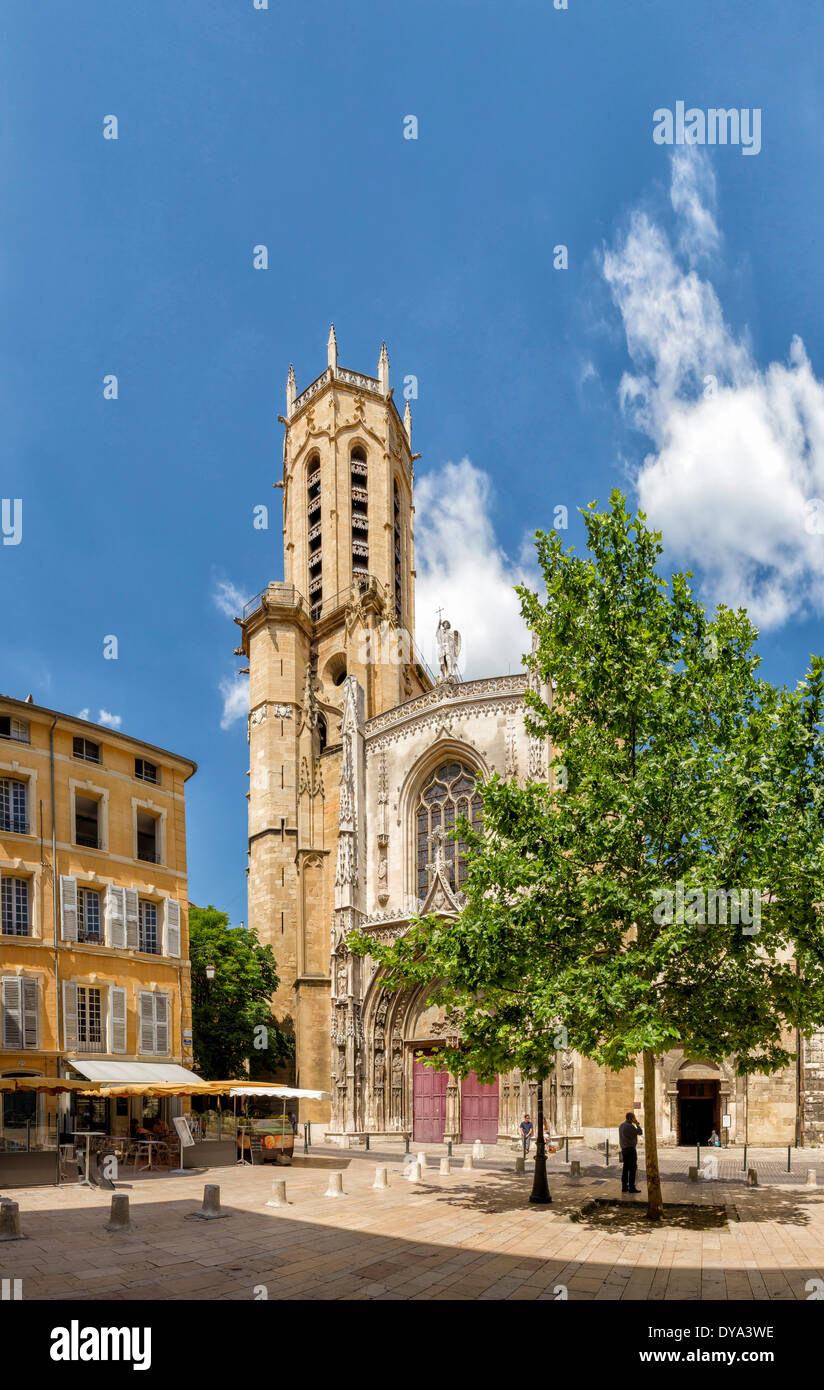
(360, 511)
(315, 551)
(449, 793)
(396, 520)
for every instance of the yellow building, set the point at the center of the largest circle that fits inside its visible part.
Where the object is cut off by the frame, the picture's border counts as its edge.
(94, 970)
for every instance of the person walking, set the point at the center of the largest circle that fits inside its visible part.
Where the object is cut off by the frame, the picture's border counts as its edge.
(527, 1133)
(628, 1139)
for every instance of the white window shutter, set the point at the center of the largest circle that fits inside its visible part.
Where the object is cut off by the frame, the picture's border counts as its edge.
(146, 1021)
(132, 939)
(115, 918)
(12, 1012)
(69, 1014)
(117, 1019)
(172, 915)
(29, 1011)
(68, 908)
(161, 1024)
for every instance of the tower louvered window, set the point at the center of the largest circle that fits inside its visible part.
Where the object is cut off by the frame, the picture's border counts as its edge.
(449, 794)
(396, 539)
(360, 512)
(315, 538)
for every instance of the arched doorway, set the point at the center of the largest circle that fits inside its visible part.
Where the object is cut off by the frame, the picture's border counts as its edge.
(699, 1102)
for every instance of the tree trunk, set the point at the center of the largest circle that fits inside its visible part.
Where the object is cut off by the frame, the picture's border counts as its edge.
(655, 1202)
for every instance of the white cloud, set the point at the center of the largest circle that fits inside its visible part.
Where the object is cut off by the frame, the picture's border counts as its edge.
(111, 721)
(462, 569)
(235, 692)
(739, 450)
(228, 598)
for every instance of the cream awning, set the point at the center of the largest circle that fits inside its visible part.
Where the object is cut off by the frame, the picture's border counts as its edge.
(134, 1073)
(282, 1092)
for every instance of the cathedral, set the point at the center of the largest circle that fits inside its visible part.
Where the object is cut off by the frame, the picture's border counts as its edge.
(360, 761)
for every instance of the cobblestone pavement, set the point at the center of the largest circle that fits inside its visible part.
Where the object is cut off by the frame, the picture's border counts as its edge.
(469, 1235)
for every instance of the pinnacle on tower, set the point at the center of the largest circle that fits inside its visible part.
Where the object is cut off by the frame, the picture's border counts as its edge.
(291, 390)
(383, 370)
(332, 347)
(407, 421)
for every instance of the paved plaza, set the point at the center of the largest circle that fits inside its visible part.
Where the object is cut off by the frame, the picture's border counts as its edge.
(469, 1235)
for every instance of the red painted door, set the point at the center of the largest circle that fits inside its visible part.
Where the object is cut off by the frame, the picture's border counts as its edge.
(479, 1111)
(428, 1104)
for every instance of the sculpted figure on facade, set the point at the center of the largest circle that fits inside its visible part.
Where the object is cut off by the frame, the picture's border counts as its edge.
(449, 647)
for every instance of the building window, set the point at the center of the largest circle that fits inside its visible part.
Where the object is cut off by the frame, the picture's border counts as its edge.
(449, 793)
(14, 901)
(396, 515)
(154, 1023)
(88, 915)
(146, 771)
(148, 837)
(313, 501)
(88, 751)
(16, 729)
(87, 822)
(360, 511)
(14, 815)
(148, 926)
(89, 1018)
(18, 999)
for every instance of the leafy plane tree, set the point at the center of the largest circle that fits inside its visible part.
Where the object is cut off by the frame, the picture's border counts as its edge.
(232, 1022)
(600, 907)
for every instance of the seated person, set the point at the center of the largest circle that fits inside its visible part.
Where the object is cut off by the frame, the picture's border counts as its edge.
(160, 1129)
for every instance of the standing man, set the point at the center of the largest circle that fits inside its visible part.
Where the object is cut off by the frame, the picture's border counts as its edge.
(628, 1139)
(527, 1133)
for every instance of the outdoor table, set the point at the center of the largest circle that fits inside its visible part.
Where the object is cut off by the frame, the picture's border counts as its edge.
(86, 1134)
(147, 1144)
(242, 1131)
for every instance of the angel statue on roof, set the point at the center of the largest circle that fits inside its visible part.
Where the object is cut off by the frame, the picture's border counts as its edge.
(449, 646)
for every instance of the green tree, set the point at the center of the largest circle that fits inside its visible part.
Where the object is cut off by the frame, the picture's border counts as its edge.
(231, 1014)
(596, 910)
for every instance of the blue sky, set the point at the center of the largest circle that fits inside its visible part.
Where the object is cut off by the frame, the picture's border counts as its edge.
(537, 387)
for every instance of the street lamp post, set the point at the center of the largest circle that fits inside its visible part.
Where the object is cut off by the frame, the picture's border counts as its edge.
(540, 1186)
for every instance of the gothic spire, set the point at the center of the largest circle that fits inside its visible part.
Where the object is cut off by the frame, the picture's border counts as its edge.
(383, 370)
(332, 347)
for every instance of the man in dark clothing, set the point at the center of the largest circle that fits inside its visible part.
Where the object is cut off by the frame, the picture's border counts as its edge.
(628, 1139)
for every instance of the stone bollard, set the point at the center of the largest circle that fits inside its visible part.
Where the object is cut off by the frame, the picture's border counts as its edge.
(210, 1211)
(335, 1188)
(413, 1173)
(477, 1149)
(10, 1221)
(278, 1197)
(381, 1179)
(692, 1174)
(812, 1177)
(575, 1167)
(469, 1162)
(422, 1164)
(119, 1218)
(752, 1177)
(520, 1164)
(446, 1167)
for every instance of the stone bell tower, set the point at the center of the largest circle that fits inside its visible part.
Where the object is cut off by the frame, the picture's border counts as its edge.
(345, 609)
